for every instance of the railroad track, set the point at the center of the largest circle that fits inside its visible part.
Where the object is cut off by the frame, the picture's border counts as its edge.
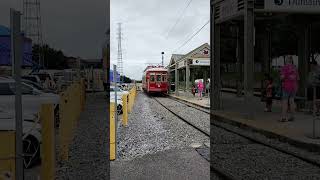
(183, 119)
(219, 171)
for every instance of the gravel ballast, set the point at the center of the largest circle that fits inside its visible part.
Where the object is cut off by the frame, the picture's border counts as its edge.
(152, 129)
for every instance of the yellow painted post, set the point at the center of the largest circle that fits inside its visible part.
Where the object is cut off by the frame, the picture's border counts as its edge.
(112, 133)
(7, 155)
(125, 110)
(63, 131)
(48, 142)
(130, 101)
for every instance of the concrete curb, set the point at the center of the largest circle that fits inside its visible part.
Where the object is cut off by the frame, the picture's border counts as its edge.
(205, 107)
(303, 145)
(231, 121)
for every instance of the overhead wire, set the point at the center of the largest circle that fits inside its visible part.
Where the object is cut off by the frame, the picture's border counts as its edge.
(196, 33)
(179, 19)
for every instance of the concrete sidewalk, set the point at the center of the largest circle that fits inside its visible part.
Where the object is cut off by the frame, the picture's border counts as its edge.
(175, 164)
(235, 111)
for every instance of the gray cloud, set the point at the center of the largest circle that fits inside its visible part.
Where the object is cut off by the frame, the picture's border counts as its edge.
(76, 27)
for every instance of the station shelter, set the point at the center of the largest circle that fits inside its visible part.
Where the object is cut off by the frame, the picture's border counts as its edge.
(185, 69)
(247, 32)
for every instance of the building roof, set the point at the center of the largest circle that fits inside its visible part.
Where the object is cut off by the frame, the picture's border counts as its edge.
(4, 31)
(179, 57)
(175, 58)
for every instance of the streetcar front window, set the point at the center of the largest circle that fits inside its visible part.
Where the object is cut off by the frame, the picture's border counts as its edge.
(164, 78)
(159, 78)
(152, 78)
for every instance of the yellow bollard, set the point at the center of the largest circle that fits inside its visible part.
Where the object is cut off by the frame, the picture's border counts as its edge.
(48, 142)
(129, 102)
(7, 155)
(112, 133)
(125, 110)
(64, 126)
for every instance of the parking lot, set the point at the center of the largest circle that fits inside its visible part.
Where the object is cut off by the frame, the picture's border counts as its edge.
(38, 90)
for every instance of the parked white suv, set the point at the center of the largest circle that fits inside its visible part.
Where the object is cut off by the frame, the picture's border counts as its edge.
(32, 98)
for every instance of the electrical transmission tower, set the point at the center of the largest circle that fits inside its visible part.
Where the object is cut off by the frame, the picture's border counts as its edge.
(120, 62)
(32, 26)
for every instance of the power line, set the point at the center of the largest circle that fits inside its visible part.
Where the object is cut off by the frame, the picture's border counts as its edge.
(119, 59)
(192, 36)
(179, 19)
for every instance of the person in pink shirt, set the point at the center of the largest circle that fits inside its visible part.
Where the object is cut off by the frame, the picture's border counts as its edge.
(200, 89)
(289, 77)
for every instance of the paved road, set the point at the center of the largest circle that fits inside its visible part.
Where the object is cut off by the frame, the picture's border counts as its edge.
(88, 151)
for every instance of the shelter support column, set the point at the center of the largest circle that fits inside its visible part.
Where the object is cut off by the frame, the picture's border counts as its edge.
(187, 76)
(265, 53)
(205, 77)
(303, 58)
(239, 60)
(176, 79)
(249, 50)
(215, 69)
(192, 71)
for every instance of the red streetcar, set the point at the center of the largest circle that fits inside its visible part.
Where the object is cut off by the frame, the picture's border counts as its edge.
(155, 80)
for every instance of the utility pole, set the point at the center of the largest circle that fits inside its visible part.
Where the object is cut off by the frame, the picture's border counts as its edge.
(32, 26)
(120, 62)
(115, 102)
(162, 58)
(16, 51)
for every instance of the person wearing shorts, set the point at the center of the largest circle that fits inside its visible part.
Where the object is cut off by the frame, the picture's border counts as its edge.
(289, 77)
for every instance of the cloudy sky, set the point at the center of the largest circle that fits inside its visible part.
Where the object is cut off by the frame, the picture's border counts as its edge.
(148, 29)
(77, 27)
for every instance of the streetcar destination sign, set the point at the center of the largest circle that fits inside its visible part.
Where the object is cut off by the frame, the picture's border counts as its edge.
(302, 6)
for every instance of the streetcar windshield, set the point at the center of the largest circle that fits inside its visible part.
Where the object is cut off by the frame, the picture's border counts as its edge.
(152, 78)
(164, 78)
(158, 78)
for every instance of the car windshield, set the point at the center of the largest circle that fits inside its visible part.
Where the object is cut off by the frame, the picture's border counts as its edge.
(5, 89)
(9, 89)
(34, 79)
(112, 89)
(35, 85)
(43, 77)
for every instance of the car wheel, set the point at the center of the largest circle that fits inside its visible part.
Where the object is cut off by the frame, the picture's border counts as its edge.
(31, 151)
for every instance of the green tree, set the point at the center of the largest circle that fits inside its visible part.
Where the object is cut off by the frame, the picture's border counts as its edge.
(53, 59)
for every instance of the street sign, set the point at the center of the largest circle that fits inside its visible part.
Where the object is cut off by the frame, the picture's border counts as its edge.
(307, 6)
(201, 62)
